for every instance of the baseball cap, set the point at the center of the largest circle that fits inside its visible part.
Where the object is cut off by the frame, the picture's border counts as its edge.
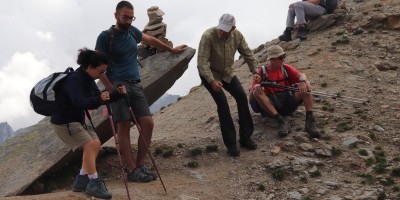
(226, 22)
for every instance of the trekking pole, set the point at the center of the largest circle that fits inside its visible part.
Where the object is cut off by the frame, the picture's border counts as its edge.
(333, 96)
(116, 139)
(145, 143)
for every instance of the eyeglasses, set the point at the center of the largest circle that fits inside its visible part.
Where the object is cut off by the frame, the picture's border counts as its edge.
(280, 58)
(128, 18)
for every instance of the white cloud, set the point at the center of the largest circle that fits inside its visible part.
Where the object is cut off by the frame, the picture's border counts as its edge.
(17, 78)
(46, 36)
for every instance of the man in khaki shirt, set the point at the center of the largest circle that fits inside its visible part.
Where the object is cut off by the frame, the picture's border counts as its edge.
(217, 49)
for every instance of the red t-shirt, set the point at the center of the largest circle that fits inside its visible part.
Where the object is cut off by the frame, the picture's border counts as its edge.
(277, 75)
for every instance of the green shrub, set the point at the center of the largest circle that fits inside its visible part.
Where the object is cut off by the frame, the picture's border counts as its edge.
(380, 168)
(396, 172)
(192, 164)
(388, 181)
(317, 173)
(340, 33)
(372, 135)
(342, 127)
(363, 152)
(168, 153)
(212, 148)
(279, 174)
(367, 178)
(196, 151)
(260, 187)
(336, 151)
(358, 31)
(369, 161)
(396, 188)
(158, 151)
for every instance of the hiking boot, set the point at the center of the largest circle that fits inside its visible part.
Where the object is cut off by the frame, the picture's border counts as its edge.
(80, 183)
(302, 32)
(311, 129)
(147, 171)
(138, 176)
(97, 188)
(248, 144)
(284, 128)
(287, 35)
(233, 151)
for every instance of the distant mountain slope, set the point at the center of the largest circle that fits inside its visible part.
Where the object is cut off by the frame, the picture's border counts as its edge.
(163, 101)
(5, 131)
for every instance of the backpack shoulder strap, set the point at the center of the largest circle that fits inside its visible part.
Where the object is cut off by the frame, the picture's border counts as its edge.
(284, 72)
(111, 38)
(264, 74)
(89, 117)
(132, 31)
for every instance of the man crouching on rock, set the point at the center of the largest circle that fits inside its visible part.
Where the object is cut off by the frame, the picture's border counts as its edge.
(271, 99)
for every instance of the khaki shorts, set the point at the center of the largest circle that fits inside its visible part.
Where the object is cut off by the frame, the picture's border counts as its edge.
(74, 135)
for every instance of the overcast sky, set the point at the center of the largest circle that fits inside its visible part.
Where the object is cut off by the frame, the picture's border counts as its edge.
(39, 37)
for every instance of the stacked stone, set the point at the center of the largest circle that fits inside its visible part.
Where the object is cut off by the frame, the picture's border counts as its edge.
(156, 28)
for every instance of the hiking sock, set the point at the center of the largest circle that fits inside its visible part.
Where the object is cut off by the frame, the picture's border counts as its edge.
(83, 172)
(93, 176)
(309, 114)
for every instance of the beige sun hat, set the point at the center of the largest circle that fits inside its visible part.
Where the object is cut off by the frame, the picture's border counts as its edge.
(275, 51)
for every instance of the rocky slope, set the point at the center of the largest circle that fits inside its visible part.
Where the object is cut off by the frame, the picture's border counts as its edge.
(356, 158)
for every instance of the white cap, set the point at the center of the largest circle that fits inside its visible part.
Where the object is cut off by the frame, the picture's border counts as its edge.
(226, 22)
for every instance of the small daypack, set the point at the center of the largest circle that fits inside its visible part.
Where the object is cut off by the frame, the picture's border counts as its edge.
(264, 75)
(329, 5)
(276, 98)
(43, 95)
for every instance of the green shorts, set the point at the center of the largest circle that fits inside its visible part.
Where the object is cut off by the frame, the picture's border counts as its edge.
(74, 135)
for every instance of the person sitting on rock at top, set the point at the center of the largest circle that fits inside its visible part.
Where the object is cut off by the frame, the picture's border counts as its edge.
(277, 102)
(301, 9)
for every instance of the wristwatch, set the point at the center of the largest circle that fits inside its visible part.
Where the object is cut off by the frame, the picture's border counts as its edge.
(302, 81)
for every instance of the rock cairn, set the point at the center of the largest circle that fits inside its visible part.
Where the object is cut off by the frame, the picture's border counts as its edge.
(156, 28)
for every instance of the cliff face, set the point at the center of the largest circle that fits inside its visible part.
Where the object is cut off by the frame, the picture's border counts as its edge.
(357, 157)
(5, 131)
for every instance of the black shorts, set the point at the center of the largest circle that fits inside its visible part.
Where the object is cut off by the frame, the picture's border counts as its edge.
(285, 103)
(137, 102)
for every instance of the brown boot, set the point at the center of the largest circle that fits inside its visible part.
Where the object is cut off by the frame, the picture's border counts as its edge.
(310, 127)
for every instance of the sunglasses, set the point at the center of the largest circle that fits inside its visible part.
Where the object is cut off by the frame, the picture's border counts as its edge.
(280, 58)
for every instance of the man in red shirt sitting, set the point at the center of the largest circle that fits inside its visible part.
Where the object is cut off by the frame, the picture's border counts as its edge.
(278, 102)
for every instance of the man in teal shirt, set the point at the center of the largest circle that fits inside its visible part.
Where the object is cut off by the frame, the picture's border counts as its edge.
(123, 68)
